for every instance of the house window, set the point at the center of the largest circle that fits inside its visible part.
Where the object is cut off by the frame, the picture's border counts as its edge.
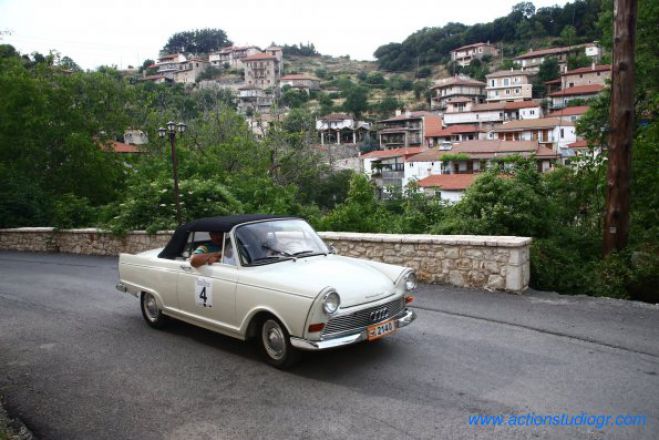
(507, 91)
(562, 133)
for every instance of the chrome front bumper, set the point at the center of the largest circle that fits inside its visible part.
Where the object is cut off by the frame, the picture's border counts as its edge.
(402, 320)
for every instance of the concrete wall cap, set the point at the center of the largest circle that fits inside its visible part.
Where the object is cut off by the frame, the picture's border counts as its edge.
(28, 229)
(453, 240)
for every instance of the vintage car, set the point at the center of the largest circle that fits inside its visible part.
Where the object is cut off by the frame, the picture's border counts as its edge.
(286, 288)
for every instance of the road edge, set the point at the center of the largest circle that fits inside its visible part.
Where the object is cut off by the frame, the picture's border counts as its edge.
(12, 428)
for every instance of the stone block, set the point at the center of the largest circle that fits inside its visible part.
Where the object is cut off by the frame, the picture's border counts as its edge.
(514, 279)
(495, 282)
(456, 278)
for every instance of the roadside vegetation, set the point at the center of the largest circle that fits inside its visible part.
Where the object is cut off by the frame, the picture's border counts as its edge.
(55, 122)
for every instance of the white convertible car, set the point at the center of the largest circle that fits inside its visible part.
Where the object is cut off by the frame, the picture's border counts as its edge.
(286, 288)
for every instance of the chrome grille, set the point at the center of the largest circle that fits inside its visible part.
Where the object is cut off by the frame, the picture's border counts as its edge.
(363, 318)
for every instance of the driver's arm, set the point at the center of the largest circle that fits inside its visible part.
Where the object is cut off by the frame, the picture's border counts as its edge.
(198, 260)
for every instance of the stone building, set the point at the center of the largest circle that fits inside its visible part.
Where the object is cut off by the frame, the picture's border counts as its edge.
(465, 54)
(456, 91)
(262, 70)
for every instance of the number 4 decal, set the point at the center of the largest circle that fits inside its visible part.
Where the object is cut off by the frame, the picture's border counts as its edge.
(204, 292)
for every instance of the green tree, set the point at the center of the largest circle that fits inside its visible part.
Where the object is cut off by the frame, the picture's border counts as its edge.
(569, 35)
(197, 41)
(356, 100)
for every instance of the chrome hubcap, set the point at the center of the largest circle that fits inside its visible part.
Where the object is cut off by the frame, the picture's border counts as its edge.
(150, 307)
(273, 339)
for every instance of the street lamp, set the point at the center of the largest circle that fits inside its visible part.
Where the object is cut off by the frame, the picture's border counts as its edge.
(171, 130)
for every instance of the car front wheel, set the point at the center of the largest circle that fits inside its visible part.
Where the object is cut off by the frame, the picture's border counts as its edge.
(275, 344)
(151, 312)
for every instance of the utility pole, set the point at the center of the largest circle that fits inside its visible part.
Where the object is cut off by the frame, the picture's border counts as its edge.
(621, 123)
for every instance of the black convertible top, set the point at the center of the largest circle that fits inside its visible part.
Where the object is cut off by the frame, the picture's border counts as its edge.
(209, 224)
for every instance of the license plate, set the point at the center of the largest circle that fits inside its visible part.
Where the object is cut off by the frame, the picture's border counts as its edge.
(382, 329)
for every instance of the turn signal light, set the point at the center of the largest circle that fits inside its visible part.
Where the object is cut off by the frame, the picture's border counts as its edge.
(313, 328)
(409, 299)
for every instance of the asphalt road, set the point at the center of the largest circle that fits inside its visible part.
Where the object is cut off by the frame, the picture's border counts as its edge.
(78, 362)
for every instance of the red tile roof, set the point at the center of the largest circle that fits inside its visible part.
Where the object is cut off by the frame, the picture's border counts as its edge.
(396, 152)
(120, 147)
(457, 81)
(504, 73)
(588, 89)
(468, 46)
(487, 149)
(449, 182)
(569, 111)
(596, 68)
(412, 115)
(526, 124)
(336, 117)
(551, 51)
(259, 57)
(582, 143)
(432, 123)
(453, 129)
(520, 104)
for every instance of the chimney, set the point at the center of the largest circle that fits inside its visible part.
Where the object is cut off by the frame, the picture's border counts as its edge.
(397, 112)
(593, 65)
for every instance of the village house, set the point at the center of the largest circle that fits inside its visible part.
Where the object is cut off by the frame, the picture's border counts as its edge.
(553, 133)
(253, 99)
(465, 54)
(447, 187)
(508, 85)
(467, 159)
(135, 137)
(454, 133)
(190, 70)
(232, 56)
(300, 81)
(487, 114)
(278, 53)
(387, 167)
(341, 128)
(447, 174)
(532, 59)
(583, 76)
(261, 70)
(406, 129)
(455, 92)
(562, 98)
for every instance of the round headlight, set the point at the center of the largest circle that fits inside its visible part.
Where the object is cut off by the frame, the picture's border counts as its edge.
(331, 303)
(410, 281)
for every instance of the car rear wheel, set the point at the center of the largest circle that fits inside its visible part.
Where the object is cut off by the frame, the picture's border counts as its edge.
(275, 344)
(151, 312)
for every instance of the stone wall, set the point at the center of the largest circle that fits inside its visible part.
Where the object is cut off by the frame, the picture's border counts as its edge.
(489, 262)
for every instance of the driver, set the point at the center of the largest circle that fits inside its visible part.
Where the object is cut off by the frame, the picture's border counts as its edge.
(208, 253)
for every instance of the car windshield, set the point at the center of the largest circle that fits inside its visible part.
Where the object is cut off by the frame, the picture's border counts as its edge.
(278, 240)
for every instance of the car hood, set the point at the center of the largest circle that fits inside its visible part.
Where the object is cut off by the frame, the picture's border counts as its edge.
(356, 281)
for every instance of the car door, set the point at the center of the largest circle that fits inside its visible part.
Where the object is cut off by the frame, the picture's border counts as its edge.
(208, 293)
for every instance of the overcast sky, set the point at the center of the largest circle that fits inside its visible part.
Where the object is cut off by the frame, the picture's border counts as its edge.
(126, 32)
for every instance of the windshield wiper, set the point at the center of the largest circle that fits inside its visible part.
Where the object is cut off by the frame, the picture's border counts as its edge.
(308, 253)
